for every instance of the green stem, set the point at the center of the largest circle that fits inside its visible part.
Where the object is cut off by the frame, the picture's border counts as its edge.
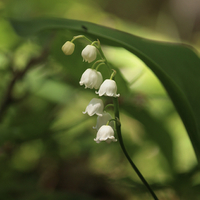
(78, 37)
(103, 57)
(99, 62)
(118, 130)
(113, 74)
(98, 46)
(108, 105)
(99, 65)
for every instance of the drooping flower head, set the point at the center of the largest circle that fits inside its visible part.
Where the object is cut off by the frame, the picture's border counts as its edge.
(91, 78)
(95, 106)
(108, 88)
(68, 48)
(105, 133)
(89, 53)
(103, 119)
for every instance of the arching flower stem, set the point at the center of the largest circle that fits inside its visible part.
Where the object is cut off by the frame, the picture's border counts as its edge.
(111, 121)
(80, 36)
(98, 63)
(96, 43)
(113, 74)
(108, 105)
(118, 130)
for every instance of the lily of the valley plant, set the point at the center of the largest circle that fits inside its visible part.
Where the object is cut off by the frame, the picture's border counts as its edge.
(106, 125)
(92, 78)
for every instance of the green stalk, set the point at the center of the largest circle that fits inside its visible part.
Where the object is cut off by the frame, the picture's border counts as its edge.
(118, 130)
(116, 110)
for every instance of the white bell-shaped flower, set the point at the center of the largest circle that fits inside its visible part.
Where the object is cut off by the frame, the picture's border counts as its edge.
(103, 119)
(68, 48)
(95, 106)
(91, 78)
(108, 88)
(89, 53)
(105, 133)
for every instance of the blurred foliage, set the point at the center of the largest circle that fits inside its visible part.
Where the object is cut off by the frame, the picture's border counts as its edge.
(46, 143)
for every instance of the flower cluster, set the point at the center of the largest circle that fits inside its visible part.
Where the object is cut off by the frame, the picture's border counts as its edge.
(92, 78)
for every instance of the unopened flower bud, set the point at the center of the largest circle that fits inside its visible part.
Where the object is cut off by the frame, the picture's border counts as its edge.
(68, 48)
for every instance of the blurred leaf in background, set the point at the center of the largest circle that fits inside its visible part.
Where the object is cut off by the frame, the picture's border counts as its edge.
(46, 143)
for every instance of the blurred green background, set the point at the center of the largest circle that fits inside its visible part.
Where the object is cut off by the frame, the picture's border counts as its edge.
(46, 143)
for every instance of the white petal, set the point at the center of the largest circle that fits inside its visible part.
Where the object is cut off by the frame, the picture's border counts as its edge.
(108, 88)
(91, 79)
(95, 106)
(105, 133)
(89, 53)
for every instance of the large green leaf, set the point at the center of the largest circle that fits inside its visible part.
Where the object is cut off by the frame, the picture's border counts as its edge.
(177, 66)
